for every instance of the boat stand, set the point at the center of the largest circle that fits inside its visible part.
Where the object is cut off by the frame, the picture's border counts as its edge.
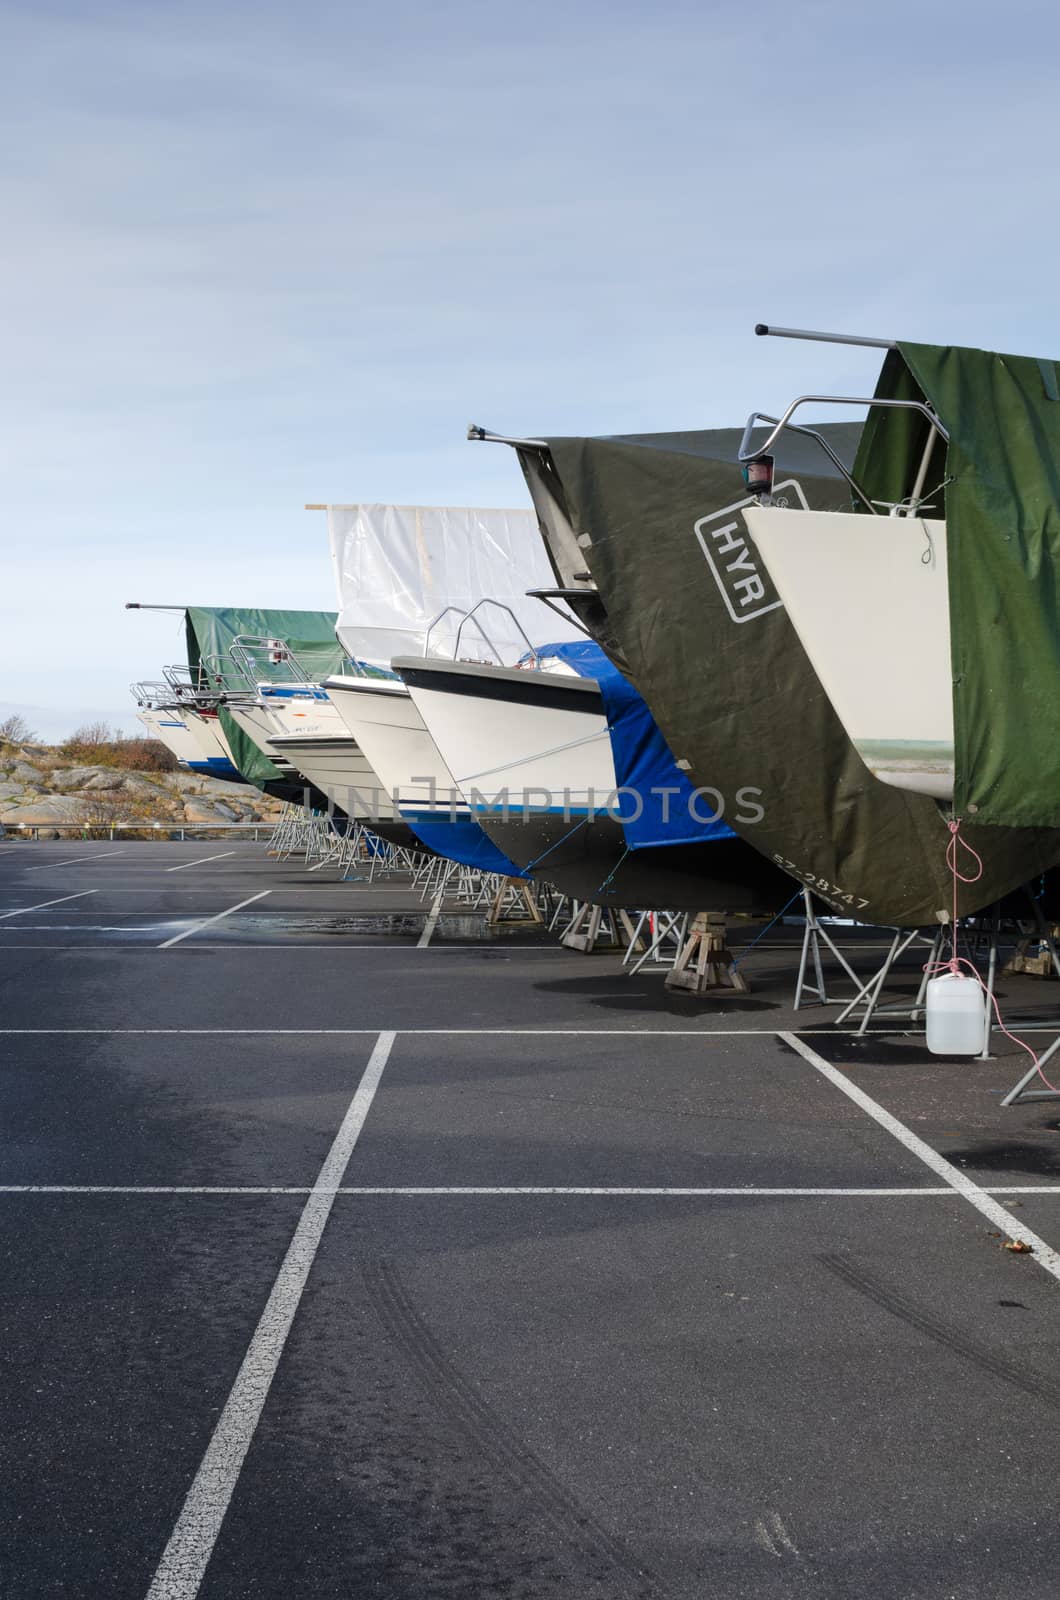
(559, 908)
(814, 935)
(669, 928)
(869, 992)
(514, 900)
(592, 924)
(1021, 1092)
(705, 963)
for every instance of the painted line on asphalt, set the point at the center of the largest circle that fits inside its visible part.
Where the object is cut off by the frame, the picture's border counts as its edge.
(1046, 1257)
(184, 1560)
(432, 922)
(412, 1191)
(506, 1033)
(108, 855)
(80, 895)
(184, 865)
(169, 943)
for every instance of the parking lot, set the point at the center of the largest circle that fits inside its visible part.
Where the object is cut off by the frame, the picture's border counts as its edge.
(345, 1254)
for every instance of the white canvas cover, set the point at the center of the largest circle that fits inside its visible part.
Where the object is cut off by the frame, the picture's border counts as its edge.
(398, 567)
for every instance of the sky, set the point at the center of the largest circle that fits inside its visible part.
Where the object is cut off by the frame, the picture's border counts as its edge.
(259, 255)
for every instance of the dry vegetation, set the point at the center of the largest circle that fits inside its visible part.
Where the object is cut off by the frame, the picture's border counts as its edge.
(97, 745)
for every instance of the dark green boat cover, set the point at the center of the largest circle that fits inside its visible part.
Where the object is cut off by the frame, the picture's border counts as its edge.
(1002, 507)
(655, 520)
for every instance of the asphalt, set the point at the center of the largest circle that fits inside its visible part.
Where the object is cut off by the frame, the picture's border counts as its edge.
(494, 1382)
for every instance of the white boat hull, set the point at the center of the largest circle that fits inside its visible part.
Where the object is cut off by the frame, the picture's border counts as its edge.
(385, 721)
(521, 741)
(171, 730)
(301, 711)
(259, 729)
(214, 757)
(340, 770)
(869, 600)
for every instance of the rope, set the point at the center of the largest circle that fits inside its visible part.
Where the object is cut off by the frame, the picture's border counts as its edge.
(530, 865)
(956, 962)
(600, 887)
(747, 948)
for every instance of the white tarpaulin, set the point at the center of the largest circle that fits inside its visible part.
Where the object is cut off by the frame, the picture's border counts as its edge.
(398, 567)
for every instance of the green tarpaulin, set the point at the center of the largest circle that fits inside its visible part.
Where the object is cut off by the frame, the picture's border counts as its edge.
(310, 635)
(252, 762)
(1002, 509)
(655, 520)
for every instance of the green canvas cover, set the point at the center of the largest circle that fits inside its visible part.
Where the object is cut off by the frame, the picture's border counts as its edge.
(310, 634)
(703, 636)
(253, 764)
(1002, 509)
(212, 629)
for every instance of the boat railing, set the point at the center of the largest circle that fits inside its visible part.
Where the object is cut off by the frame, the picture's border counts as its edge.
(260, 660)
(190, 687)
(224, 678)
(750, 451)
(911, 506)
(471, 615)
(152, 696)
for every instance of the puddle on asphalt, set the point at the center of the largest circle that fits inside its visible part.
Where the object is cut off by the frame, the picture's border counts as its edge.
(380, 925)
(281, 928)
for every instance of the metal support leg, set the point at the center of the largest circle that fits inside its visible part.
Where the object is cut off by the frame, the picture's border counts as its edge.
(813, 936)
(991, 975)
(869, 993)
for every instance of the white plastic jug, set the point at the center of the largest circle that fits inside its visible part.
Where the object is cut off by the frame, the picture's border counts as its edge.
(956, 1020)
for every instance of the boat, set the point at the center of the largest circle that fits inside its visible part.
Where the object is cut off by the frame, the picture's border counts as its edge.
(824, 564)
(649, 547)
(215, 753)
(531, 753)
(232, 652)
(443, 581)
(383, 718)
(165, 723)
(957, 586)
(187, 724)
(439, 580)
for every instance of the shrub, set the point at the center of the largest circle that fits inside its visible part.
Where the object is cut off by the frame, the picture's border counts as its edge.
(97, 745)
(16, 730)
(99, 812)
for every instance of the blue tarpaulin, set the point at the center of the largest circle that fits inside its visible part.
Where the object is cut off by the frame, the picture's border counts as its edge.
(658, 803)
(460, 839)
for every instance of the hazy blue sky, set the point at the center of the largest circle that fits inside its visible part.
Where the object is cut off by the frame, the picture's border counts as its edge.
(257, 255)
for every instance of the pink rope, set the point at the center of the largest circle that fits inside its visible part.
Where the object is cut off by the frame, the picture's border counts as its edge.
(956, 962)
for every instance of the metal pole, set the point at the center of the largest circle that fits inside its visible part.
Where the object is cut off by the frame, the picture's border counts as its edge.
(764, 329)
(995, 932)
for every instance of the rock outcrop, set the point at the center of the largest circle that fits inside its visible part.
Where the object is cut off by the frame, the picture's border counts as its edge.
(39, 788)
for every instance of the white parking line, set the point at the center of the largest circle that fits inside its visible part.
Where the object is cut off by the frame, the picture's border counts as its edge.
(80, 895)
(107, 855)
(210, 920)
(184, 1560)
(1046, 1257)
(184, 865)
(506, 1033)
(413, 1191)
(432, 922)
